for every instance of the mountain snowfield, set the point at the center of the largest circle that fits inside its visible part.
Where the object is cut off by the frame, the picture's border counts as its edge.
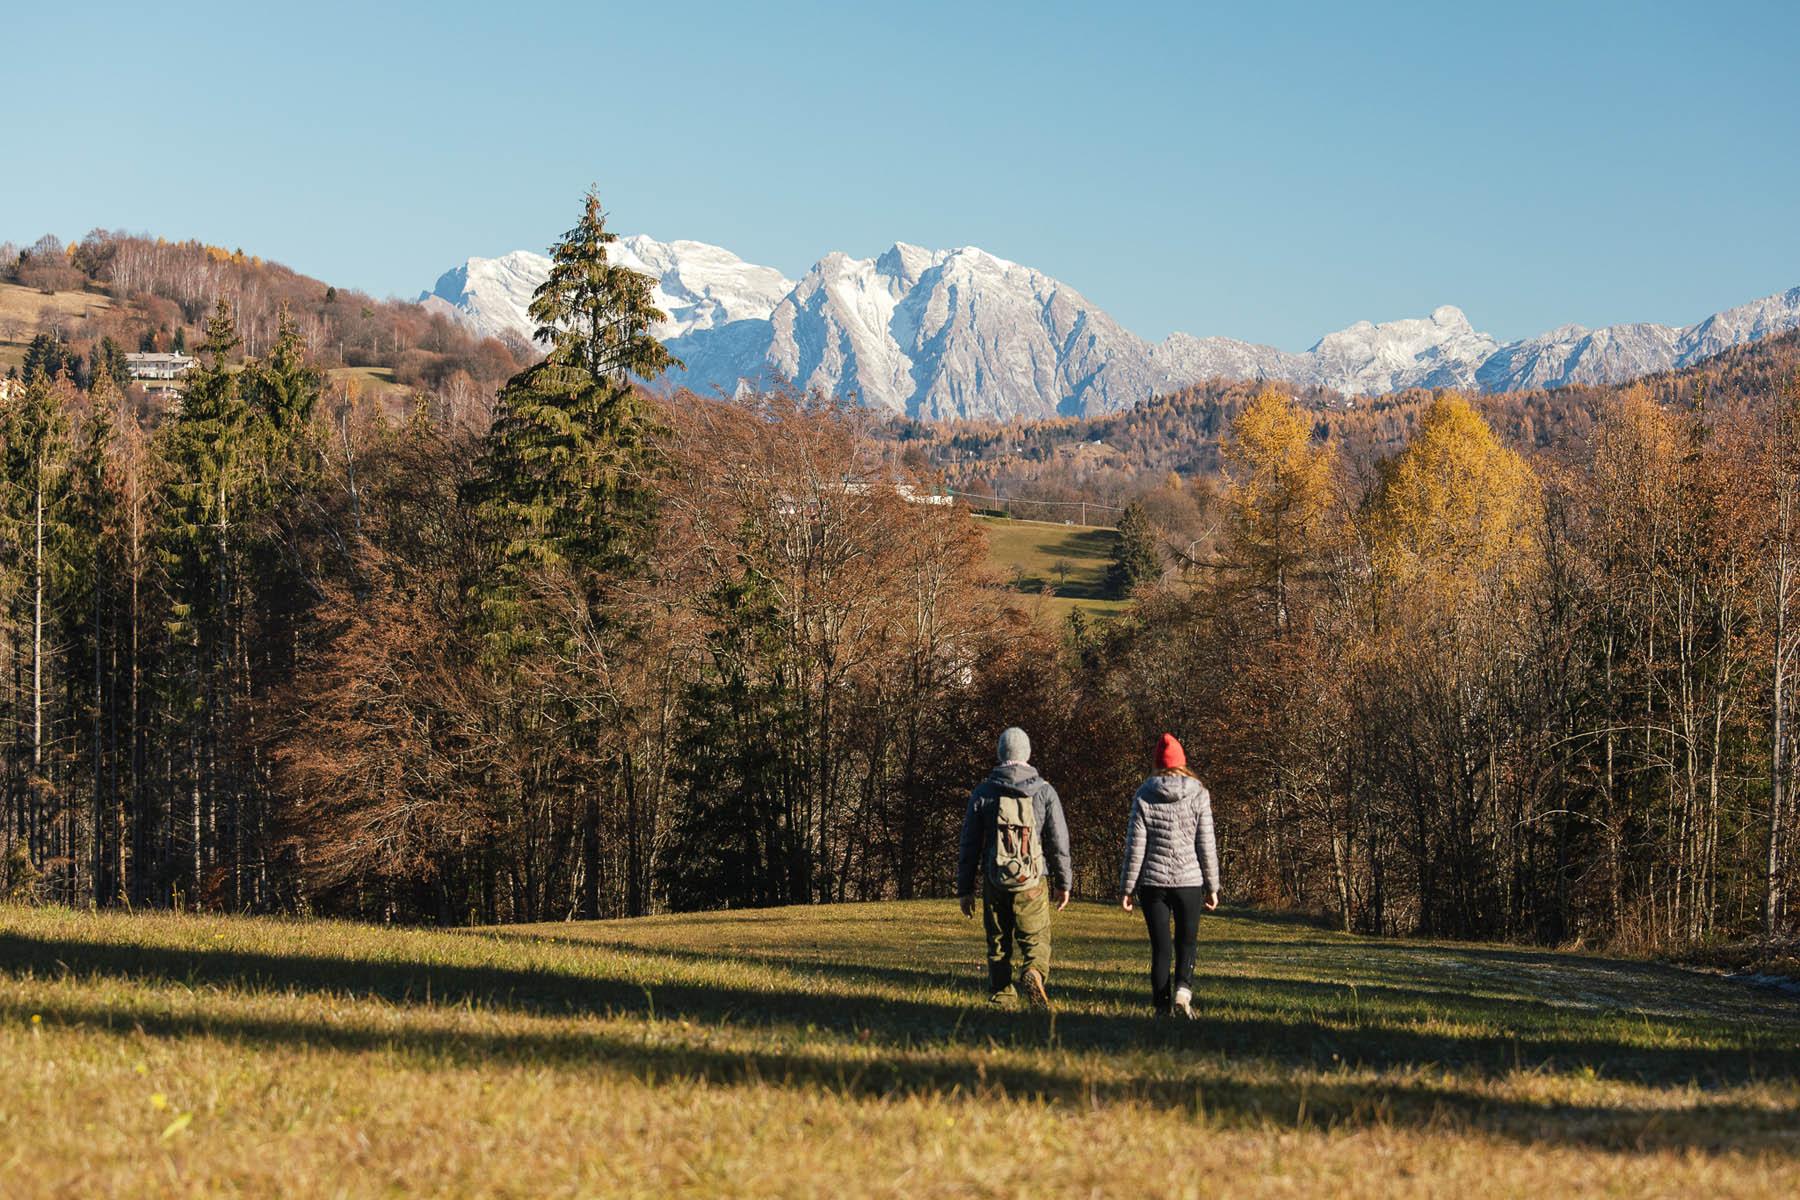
(947, 334)
(697, 285)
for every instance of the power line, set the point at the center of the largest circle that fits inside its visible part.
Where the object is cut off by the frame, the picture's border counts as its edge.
(995, 499)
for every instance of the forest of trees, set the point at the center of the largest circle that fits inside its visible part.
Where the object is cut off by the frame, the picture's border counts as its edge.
(1047, 468)
(583, 651)
(598, 655)
(1476, 695)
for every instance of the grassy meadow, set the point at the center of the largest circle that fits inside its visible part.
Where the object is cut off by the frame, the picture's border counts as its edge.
(849, 1050)
(1070, 560)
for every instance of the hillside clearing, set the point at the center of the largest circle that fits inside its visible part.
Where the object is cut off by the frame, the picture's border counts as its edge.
(28, 305)
(1069, 560)
(848, 1050)
(373, 381)
(22, 312)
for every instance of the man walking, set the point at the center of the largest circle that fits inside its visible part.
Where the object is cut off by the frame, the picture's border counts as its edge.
(1013, 834)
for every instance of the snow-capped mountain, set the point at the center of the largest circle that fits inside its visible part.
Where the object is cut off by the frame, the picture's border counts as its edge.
(933, 333)
(943, 334)
(490, 295)
(1576, 355)
(697, 285)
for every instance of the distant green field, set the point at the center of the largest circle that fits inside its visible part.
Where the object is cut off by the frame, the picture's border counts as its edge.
(1071, 560)
(849, 1050)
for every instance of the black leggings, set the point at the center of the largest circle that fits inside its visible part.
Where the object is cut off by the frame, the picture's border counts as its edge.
(1160, 904)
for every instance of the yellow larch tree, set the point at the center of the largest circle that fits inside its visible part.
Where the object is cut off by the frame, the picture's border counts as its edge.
(1454, 516)
(1279, 499)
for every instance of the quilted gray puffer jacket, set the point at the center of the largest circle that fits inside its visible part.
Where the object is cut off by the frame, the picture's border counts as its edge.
(1170, 836)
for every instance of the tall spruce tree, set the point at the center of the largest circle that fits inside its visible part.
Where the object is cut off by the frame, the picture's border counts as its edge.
(49, 355)
(561, 479)
(95, 568)
(1135, 559)
(563, 488)
(204, 449)
(34, 450)
(108, 360)
(281, 393)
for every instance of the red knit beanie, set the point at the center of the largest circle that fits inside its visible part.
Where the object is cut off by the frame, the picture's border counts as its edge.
(1169, 753)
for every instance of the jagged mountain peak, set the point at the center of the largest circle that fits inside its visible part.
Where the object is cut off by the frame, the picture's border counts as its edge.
(963, 333)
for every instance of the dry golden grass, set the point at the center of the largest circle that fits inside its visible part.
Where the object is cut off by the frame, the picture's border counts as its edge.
(823, 1052)
(26, 305)
(372, 381)
(21, 315)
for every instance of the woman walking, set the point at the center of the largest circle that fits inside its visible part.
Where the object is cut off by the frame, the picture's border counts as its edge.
(1172, 866)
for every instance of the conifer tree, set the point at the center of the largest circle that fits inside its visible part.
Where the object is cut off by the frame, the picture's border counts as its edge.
(95, 566)
(280, 394)
(563, 485)
(562, 475)
(108, 360)
(1136, 559)
(204, 449)
(34, 451)
(48, 355)
(206, 440)
(1453, 513)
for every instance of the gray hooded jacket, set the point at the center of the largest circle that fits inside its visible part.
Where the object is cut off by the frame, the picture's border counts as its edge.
(1170, 836)
(977, 849)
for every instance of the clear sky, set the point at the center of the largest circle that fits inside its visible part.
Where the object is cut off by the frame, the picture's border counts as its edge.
(1265, 170)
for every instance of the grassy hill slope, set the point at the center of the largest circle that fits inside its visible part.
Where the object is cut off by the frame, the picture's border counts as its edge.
(849, 1050)
(1071, 560)
(22, 310)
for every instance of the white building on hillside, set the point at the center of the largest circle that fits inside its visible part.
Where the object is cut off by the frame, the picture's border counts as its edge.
(159, 366)
(160, 372)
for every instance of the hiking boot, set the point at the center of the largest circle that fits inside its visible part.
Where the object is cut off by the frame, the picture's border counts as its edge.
(1002, 999)
(1034, 987)
(1184, 1004)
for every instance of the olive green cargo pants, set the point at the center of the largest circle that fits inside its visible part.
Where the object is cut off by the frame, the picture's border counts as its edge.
(1015, 919)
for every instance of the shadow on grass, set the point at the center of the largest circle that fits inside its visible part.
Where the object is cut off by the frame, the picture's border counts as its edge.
(1360, 1001)
(1413, 996)
(1088, 553)
(1268, 1026)
(1206, 1089)
(1277, 918)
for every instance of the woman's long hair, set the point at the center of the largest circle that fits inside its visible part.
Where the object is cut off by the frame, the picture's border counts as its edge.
(1177, 771)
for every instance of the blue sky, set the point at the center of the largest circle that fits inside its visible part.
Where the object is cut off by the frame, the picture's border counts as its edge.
(1269, 171)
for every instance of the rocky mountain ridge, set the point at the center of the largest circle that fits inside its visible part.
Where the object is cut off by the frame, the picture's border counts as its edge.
(949, 334)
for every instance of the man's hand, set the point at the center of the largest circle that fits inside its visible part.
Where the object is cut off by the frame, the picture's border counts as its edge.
(1212, 901)
(1062, 899)
(968, 904)
(1126, 901)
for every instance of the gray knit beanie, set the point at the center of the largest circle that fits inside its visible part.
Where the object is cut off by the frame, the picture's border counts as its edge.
(1015, 746)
